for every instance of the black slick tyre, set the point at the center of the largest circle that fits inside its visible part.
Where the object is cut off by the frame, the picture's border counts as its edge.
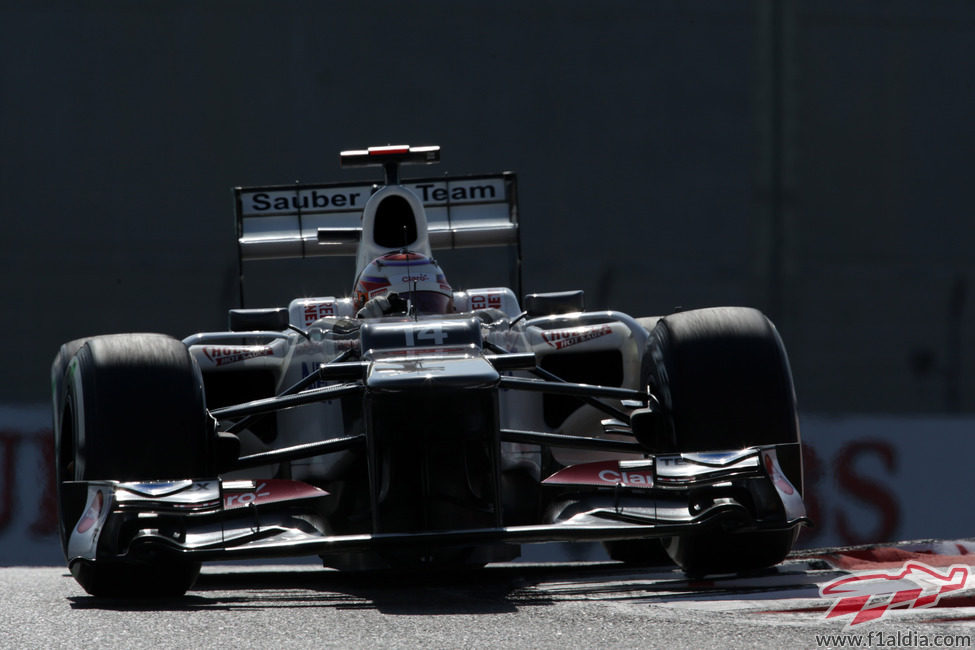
(723, 377)
(128, 407)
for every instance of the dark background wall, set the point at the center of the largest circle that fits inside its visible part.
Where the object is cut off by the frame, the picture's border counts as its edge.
(808, 158)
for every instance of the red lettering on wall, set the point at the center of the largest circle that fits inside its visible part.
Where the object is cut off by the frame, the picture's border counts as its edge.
(8, 446)
(867, 491)
(45, 521)
(812, 472)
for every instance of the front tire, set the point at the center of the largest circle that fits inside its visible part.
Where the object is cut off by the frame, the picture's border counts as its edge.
(723, 377)
(128, 407)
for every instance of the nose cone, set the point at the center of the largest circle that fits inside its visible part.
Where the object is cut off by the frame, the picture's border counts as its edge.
(431, 373)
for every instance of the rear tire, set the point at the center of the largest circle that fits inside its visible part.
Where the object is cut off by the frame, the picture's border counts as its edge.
(723, 376)
(128, 407)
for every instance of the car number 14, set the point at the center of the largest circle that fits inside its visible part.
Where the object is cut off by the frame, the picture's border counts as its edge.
(421, 335)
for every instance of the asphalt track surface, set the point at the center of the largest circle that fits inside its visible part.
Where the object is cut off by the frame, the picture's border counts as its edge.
(545, 605)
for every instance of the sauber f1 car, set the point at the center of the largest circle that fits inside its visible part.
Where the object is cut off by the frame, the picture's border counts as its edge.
(408, 423)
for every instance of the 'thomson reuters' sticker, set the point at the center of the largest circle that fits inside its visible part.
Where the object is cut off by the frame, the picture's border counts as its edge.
(560, 339)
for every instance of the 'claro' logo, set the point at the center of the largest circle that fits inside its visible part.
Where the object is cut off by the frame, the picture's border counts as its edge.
(625, 478)
(631, 474)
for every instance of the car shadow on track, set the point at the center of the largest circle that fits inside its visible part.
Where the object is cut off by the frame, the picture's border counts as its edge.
(492, 590)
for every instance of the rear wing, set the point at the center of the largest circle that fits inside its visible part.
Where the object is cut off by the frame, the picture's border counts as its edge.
(315, 220)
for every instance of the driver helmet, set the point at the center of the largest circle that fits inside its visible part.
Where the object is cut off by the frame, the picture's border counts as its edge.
(412, 276)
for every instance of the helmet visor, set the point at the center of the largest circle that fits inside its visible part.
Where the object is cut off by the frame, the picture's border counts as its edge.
(428, 302)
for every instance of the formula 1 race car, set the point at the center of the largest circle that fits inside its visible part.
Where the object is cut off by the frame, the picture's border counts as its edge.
(411, 424)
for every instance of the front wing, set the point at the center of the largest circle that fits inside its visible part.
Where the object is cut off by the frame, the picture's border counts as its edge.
(216, 519)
